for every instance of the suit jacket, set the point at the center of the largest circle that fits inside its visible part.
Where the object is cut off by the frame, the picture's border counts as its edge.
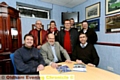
(43, 35)
(47, 53)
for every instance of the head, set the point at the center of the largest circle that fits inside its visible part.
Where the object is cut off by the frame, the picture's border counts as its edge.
(52, 24)
(82, 38)
(67, 24)
(72, 21)
(85, 24)
(28, 40)
(38, 25)
(51, 39)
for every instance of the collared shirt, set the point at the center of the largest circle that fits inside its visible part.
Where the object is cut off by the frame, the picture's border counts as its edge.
(83, 45)
(84, 31)
(54, 53)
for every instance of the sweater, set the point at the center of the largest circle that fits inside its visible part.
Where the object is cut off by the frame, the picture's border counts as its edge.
(87, 54)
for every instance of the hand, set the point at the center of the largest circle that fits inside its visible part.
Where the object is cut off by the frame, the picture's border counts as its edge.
(79, 61)
(68, 61)
(90, 64)
(54, 65)
(38, 47)
(40, 67)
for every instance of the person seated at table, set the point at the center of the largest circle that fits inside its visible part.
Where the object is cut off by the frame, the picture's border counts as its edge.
(85, 52)
(51, 52)
(28, 59)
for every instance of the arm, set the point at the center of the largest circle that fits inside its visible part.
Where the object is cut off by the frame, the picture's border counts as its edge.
(41, 60)
(44, 54)
(21, 66)
(64, 52)
(95, 56)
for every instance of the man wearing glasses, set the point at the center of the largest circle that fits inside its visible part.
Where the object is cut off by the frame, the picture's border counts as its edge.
(39, 34)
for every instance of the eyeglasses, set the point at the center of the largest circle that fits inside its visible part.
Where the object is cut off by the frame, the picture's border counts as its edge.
(83, 37)
(51, 38)
(67, 23)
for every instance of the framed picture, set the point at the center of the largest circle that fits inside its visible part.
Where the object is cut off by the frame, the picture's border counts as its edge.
(112, 6)
(95, 24)
(93, 11)
(113, 23)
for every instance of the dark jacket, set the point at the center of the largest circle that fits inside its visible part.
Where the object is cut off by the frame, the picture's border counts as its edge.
(92, 36)
(27, 60)
(73, 37)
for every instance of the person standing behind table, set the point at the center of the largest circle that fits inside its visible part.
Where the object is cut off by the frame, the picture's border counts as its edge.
(90, 33)
(39, 35)
(28, 59)
(68, 37)
(85, 52)
(51, 52)
(53, 29)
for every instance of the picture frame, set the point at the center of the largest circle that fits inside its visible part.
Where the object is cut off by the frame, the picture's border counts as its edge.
(94, 24)
(93, 11)
(112, 23)
(112, 6)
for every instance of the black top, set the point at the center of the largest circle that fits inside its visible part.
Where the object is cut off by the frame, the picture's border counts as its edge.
(38, 37)
(27, 60)
(87, 54)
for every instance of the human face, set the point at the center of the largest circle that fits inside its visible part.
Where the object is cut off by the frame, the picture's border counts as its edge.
(67, 25)
(85, 25)
(52, 25)
(28, 41)
(72, 22)
(51, 39)
(82, 38)
(38, 25)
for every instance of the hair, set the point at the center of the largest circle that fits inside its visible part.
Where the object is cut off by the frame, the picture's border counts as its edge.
(84, 21)
(71, 19)
(82, 33)
(66, 20)
(53, 22)
(28, 35)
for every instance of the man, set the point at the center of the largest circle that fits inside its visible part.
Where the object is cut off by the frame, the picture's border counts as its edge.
(85, 52)
(39, 35)
(27, 59)
(68, 38)
(51, 52)
(90, 33)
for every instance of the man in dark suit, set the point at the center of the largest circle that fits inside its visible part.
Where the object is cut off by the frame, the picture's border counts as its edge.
(28, 59)
(51, 52)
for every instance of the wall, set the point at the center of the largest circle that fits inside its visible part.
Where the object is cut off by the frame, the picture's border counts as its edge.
(109, 55)
(27, 22)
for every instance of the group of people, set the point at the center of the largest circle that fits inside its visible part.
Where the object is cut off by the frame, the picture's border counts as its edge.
(42, 48)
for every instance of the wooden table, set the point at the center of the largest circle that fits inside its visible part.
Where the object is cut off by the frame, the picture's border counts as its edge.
(92, 73)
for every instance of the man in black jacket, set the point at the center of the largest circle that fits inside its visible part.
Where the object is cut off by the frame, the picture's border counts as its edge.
(68, 37)
(28, 59)
(90, 33)
(85, 52)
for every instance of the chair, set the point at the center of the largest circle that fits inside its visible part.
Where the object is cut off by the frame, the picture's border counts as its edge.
(12, 59)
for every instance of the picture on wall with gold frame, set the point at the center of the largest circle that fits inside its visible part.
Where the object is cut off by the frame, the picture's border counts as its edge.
(93, 11)
(112, 6)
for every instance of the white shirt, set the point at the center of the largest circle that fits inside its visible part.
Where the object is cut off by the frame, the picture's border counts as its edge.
(83, 45)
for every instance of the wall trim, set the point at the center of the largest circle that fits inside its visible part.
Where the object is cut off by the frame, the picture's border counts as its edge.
(108, 44)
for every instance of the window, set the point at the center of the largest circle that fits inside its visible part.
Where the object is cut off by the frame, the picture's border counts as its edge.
(33, 12)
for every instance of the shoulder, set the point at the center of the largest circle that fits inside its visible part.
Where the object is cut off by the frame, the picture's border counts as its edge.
(45, 45)
(57, 43)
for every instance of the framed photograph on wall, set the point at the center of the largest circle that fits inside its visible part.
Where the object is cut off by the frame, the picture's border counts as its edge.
(113, 23)
(95, 24)
(112, 6)
(93, 11)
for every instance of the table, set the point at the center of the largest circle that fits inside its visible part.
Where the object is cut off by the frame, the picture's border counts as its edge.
(92, 73)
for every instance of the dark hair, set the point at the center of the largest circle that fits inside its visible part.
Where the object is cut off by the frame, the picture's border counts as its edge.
(66, 20)
(28, 35)
(84, 21)
(71, 19)
(82, 33)
(53, 22)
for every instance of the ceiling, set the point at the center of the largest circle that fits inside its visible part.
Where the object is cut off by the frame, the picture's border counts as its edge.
(66, 3)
